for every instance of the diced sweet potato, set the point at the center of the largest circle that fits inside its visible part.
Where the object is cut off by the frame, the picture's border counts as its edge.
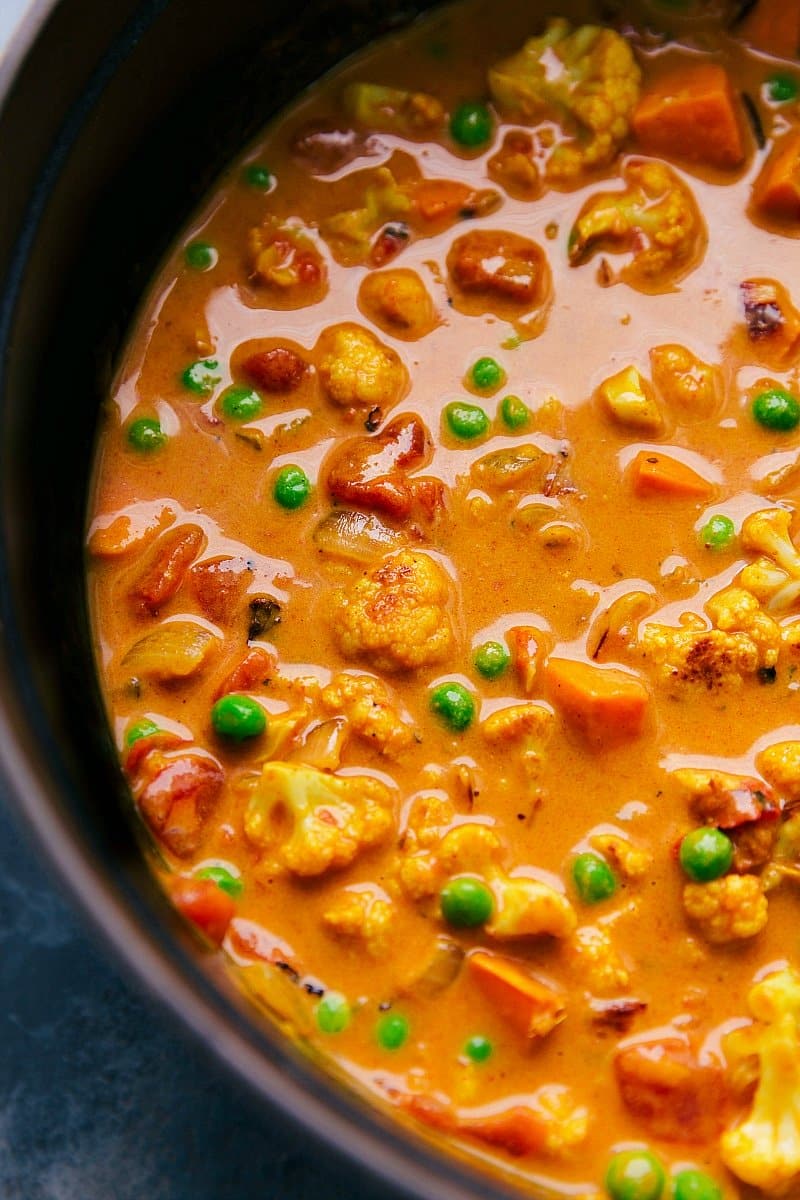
(655, 474)
(776, 192)
(256, 668)
(532, 1008)
(499, 265)
(605, 703)
(279, 370)
(673, 1095)
(179, 799)
(371, 471)
(166, 568)
(218, 585)
(204, 904)
(691, 114)
(128, 531)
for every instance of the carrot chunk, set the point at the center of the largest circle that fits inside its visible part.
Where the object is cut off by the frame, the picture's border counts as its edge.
(776, 192)
(607, 704)
(531, 1007)
(773, 26)
(691, 114)
(659, 475)
(204, 904)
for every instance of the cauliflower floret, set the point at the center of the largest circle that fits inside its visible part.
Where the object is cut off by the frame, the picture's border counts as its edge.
(763, 1149)
(398, 302)
(284, 258)
(727, 909)
(358, 371)
(592, 952)
(774, 578)
(690, 386)
(656, 217)
(780, 766)
(528, 726)
(366, 917)
(393, 110)
(313, 822)
(418, 867)
(628, 400)
(350, 233)
(397, 614)
(586, 78)
(735, 610)
(524, 907)
(365, 701)
(630, 861)
(743, 640)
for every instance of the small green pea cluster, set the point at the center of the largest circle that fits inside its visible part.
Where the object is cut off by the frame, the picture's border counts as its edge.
(593, 878)
(468, 422)
(225, 879)
(777, 410)
(782, 88)
(640, 1175)
(238, 718)
(718, 533)
(471, 125)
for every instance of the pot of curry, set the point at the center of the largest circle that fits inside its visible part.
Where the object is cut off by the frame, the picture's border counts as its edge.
(443, 585)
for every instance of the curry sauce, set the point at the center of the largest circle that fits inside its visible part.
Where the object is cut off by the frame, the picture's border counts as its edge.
(445, 594)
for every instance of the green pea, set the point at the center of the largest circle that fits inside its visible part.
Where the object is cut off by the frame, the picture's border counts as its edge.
(292, 487)
(718, 532)
(240, 403)
(259, 177)
(478, 1048)
(140, 729)
(466, 902)
(487, 374)
(454, 704)
(466, 421)
(593, 878)
(238, 717)
(706, 853)
(201, 377)
(695, 1185)
(471, 124)
(392, 1031)
(777, 409)
(781, 88)
(635, 1175)
(333, 1013)
(514, 412)
(491, 659)
(146, 435)
(200, 256)
(223, 878)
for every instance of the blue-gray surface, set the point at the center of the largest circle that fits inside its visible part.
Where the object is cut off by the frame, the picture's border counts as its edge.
(100, 1098)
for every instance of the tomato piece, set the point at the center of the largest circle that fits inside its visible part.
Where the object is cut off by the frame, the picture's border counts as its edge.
(179, 799)
(165, 570)
(371, 471)
(204, 904)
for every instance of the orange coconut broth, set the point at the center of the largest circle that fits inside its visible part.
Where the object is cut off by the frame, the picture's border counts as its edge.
(319, 847)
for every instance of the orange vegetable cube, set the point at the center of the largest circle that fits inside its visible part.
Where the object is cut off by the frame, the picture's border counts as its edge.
(776, 192)
(605, 703)
(691, 114)
(531, 1007)
(655, 474)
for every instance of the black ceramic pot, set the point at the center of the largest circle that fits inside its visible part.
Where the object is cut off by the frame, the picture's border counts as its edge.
(114, 119)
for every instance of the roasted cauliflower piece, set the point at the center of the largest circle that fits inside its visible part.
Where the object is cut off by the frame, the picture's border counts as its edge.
(586, 79)
(312, 822)
(365, 917)
(742, 640)
(727, 909)
(774, 577)
(284, 260)
(364, 700)
(780, 766)
(655, 217)
(524, 907)
(398, 302)
(527, 727)
(628, 400)
(350, 233)
(358, 371)
(763, 1148)
(397, 614)
(592, 952)
(628, 860)
(690, 387)
(393, 110)
(418, 867)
